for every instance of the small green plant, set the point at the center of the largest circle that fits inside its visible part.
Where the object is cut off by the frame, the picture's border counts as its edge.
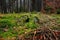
(31, 25)
(7, 34)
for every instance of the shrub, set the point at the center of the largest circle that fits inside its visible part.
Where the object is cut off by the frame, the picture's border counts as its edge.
(6, 23)
(48, 9)
(58, 11)
(34, 12)
(22, 20)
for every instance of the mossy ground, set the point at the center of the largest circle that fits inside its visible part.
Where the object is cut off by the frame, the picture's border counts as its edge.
(12, 25)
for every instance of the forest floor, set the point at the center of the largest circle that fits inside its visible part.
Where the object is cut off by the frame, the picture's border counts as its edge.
(13, 25)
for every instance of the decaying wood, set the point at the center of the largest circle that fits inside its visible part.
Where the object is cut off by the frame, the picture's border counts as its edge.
(42, 34)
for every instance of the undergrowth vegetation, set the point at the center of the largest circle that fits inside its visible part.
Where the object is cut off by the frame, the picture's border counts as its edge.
(12, 25)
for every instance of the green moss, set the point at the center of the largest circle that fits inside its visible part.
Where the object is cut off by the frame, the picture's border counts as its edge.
(15, 22)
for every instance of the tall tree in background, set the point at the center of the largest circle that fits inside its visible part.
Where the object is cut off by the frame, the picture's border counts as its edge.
(16, 6)
(20, 5)
(0, 5)
(3, 6)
